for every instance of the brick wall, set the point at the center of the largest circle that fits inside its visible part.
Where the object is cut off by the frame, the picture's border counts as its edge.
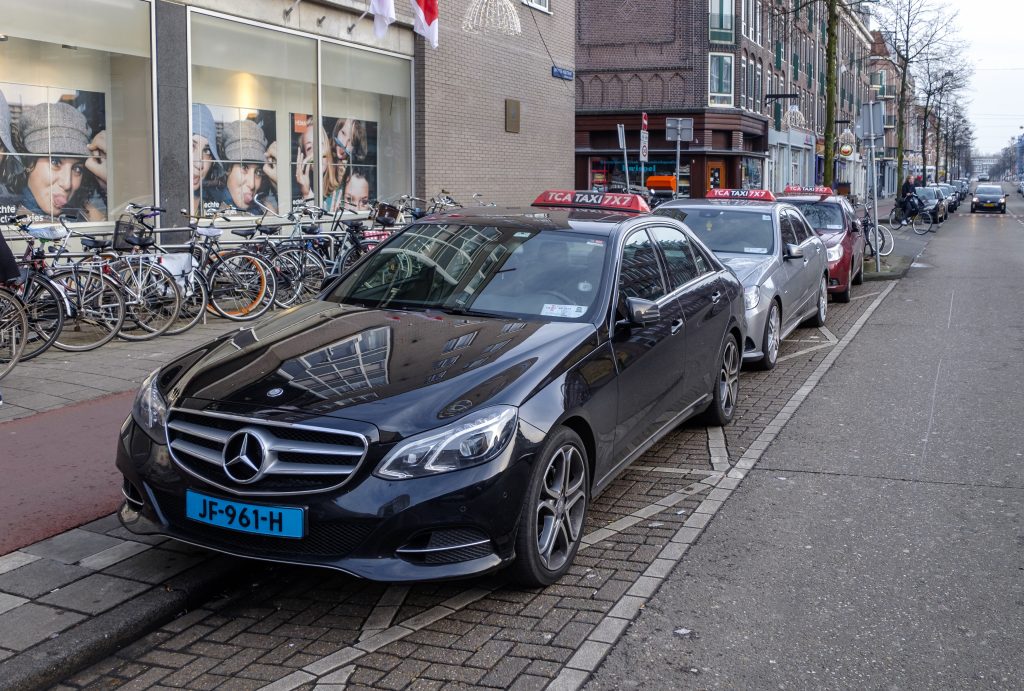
(461, 87)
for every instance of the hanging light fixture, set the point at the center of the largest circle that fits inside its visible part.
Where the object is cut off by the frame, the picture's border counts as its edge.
(847, 137)
(794, 118)
(492, 17)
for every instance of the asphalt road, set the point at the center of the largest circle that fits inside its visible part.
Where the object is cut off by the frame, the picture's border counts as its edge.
(878, 543)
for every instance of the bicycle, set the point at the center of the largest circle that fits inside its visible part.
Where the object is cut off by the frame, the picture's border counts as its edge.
(886, 241)
(14, 328)
(45, 303)
(915, 219)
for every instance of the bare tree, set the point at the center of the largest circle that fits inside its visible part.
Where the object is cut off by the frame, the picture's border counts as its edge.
(939, 78)
(913, 29)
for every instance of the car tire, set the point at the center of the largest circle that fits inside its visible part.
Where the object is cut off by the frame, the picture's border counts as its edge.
(972, 209)
(821, 313)
(557, 499)
(771, 338)
(844, 296)
(725, 394)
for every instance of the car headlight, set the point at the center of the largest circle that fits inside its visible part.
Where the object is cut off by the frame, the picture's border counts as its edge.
(150, 409)
(975, 200)
(751, 296)
(1003, 200)
(475, 439)
(834, 253)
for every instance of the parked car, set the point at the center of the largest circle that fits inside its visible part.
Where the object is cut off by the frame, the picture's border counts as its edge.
(776, 254)
(835, 221)
(952, 199)
(933, 203)
(450, 405)
(988, 198)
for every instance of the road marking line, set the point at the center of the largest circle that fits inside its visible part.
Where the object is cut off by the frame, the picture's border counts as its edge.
(931, 411)
(865, 295)
(718, 449)
(385, 611)
(949, 322)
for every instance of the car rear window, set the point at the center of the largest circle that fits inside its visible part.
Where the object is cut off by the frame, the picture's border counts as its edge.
(737, 232)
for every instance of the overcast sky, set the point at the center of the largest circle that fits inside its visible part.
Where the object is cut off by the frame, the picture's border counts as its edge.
(992, 30)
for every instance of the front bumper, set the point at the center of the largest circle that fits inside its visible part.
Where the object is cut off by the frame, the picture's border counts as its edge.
(839, 273)
(753, 345)
(452, 525)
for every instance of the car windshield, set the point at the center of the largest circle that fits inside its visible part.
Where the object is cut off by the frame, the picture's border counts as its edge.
(482, 270)
(946, 189)
(738, 232)
(926, 193)
(823, 216)
(989, 189)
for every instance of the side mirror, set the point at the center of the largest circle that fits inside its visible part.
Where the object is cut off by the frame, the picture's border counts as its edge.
(793, 252)
(643, 312)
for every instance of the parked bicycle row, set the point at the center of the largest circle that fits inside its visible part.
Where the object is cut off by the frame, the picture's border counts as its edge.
(129, 284)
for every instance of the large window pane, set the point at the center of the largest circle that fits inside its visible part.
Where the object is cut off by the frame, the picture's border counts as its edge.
(253, 97)
(76, 113)
(366, 121)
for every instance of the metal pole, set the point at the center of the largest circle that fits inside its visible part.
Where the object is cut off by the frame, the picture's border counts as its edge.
(625, 164)
(874, 185)
(678, 144)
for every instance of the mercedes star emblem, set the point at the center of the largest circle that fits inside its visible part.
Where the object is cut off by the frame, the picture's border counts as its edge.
(275, 392)
(244, 455)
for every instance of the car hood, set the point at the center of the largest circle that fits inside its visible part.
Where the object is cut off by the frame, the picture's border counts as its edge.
(749, 269)
(831, 238)
(401, 371)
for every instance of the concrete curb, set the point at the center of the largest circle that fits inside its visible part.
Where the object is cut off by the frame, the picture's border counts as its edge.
(98, 637)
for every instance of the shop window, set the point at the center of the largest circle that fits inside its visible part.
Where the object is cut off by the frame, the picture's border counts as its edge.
(720, 79)
(76, 112)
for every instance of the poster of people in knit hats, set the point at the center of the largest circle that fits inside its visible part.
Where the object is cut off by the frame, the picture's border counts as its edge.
(234, 160)
(53, 153)
(348, 162)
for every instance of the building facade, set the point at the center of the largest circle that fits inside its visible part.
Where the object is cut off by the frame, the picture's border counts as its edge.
(750, 73)
(238, 105)
(885, 72)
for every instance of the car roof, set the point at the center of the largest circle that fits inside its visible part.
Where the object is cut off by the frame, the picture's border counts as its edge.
(594, 221)
(740, 204)
(831, 199)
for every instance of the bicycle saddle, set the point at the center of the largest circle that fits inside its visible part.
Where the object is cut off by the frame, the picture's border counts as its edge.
(93, 243)
(269, 230)
(244, 232)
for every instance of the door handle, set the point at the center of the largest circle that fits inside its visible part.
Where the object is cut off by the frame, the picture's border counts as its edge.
(716, 296)
(676, 325)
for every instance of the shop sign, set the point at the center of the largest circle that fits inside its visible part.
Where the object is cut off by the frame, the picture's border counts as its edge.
(585, 199)
(846, 150)
(722, 193)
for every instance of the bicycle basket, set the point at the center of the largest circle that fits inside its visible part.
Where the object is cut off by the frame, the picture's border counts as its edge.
(48, 232)
(129, 233)
(387, 215)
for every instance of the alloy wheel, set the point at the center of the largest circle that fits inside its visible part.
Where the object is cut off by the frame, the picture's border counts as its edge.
(822, 300)
(561, 506)
(729, 378)
(774, 329)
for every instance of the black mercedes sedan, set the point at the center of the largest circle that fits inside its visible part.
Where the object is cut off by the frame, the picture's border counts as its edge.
(448, 407)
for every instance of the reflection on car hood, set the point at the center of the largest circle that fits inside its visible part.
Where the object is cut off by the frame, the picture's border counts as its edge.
(831, 238)
(399, 370)
(749, 269)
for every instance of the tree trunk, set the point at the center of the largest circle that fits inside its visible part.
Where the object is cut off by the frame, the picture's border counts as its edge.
(832, 38)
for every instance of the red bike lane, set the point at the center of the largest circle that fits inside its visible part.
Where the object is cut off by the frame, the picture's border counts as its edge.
(58, 469)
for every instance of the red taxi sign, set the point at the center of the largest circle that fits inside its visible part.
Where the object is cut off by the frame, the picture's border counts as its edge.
(757, 195)
(584, 199)
(802, 189)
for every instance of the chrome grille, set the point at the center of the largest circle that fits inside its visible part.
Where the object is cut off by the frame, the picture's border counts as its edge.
(285, 458)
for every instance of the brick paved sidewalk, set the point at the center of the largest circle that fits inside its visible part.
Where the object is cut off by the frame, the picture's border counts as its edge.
(292, 627)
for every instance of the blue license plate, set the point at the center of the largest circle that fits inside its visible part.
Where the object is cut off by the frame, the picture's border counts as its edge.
(278, 521)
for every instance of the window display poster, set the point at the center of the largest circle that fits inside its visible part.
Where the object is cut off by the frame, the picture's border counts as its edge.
(348, 162)
(53, 152)
(234, 160)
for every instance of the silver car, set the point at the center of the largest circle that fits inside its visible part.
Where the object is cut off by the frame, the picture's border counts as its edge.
(774, 252)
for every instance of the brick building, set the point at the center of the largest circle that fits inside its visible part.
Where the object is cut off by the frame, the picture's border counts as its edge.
(884, 74)
(716, 62)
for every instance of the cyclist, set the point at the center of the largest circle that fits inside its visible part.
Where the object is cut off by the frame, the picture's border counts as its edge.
(906, 194)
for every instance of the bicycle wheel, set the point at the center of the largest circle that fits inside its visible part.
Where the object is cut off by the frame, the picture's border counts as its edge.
(311, 274)
(152, 298)
(14, 329)
(886, 242)
(354, 254)
(194, 301)
(923, 225)
(45, 308)
(97, 309)
(895, 219)
(242, 286)
(288, 273)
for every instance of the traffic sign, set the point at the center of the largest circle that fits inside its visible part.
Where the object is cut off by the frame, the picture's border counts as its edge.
(622, 136)
(644, 134)
(643, 122)
(679, 129)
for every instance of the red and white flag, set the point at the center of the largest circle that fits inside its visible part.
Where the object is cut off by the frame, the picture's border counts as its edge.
(425, 22)
(383, 14)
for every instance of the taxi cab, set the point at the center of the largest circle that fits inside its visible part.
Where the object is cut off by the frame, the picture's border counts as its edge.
(451, 404)
(835, 221)
(776, 254)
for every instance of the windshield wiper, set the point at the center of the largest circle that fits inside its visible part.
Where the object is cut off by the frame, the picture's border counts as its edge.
(463, 312)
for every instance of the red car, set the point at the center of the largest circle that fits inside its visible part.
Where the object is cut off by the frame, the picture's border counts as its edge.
(836, 223)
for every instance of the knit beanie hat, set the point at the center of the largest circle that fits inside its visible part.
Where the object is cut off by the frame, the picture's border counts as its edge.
(244, 141)
(204, 126)
(54, 128)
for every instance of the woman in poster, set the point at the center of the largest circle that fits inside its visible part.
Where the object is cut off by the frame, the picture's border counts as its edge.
(10, 164)
(206, 167)
(304, 156)
(348, 142)
(357, 191)
(245, 149)
(67, 173)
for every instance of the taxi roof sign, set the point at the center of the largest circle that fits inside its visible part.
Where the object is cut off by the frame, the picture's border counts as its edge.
(803, 189)
(585, 199)
(756, 195)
